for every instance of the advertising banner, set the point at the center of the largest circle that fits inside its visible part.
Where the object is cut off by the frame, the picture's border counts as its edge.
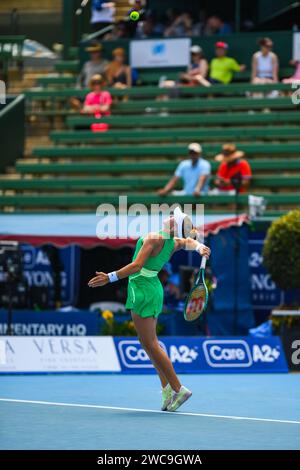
(198, 354)
(291, 344)
(39, 273)
(123, 354)
(265, 294)
(160, 53)
(50, 323)
(58, 354)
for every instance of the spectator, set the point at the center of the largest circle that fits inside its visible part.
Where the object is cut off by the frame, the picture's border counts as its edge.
(95, 66)
(136, 5)
(222, 67)
(264, 63)
(147, 29)
(198, 70)
(227, 148)
(194, 172)
(198, 24)
(295, 78)
(118, 73)
(216, 26)
(98, 101)
(182, 25)
(103, 14)
(172, 292)
(121, 31)
(234, 171)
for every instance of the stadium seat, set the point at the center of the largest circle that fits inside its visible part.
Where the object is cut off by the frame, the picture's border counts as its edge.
(233, 89)
(142, 151)
(93, 183)
(67, 66)
(68, 201)
(180, 134)
(22, 167)
(189, 119)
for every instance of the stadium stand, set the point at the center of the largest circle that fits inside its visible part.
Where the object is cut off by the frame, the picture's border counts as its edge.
(76, 168)
(145, 77)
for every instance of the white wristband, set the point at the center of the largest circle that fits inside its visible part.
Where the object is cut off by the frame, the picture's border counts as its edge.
(199, 247)
(113, 277)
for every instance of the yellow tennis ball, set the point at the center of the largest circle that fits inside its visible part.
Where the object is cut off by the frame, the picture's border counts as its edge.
(134, 15)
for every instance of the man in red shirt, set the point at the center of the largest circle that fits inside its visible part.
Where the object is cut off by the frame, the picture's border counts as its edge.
(234, 171)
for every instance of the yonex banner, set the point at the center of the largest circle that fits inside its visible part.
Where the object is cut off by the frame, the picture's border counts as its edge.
(197, 354)
(38, 270)
(58, 354)
(160, 53)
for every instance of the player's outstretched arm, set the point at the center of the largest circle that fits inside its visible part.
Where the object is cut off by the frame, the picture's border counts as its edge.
(101, 279)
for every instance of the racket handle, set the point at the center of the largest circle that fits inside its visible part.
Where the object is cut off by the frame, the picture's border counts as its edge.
(203, 262)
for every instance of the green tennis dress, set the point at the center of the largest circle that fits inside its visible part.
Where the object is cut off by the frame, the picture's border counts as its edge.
(145, 292)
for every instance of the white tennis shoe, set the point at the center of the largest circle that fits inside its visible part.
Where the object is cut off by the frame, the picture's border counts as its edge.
(166, 397)
(178, 398)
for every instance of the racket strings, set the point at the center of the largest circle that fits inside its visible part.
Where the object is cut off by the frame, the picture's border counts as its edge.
(196, 303)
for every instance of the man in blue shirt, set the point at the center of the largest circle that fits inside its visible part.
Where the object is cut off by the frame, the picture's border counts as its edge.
(215, 25)
(194, 173)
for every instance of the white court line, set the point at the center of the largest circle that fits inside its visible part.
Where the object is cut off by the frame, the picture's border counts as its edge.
(141, 410)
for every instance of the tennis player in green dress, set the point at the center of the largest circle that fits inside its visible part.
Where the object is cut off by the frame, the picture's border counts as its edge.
(145, 295)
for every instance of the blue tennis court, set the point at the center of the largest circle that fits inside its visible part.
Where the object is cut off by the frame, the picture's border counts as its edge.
(253, 411)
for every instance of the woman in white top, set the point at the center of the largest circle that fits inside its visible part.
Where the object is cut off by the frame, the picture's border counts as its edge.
(265, 63)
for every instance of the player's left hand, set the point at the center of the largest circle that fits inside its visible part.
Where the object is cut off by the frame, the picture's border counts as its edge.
(100, 280)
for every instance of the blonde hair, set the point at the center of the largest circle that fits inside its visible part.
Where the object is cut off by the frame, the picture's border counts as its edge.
(114, 66)
(96, 78)
(118, 51)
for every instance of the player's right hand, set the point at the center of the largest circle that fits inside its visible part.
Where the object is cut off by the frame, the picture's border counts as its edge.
(100, 280)
(204, 251)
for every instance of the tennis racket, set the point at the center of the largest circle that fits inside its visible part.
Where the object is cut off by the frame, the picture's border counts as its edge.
(197, 299)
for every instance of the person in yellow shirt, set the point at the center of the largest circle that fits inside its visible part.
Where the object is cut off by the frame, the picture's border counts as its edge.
(222, 67)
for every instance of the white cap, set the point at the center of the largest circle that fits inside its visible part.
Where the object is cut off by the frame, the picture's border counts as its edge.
(196, 49)
(195, 147)
(180, 218)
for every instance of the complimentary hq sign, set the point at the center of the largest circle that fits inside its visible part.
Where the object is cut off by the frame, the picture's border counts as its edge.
(29, 323)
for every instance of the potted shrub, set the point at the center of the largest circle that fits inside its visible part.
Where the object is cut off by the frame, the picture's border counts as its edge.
(281, 256)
